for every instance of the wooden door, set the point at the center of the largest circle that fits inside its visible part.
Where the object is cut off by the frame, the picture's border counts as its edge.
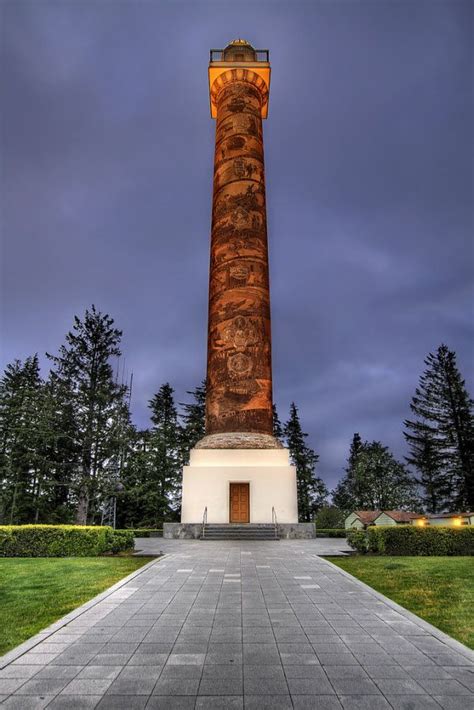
(239, 503)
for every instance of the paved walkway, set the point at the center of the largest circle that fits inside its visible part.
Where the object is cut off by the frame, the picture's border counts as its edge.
(320, 546)
(242, 625)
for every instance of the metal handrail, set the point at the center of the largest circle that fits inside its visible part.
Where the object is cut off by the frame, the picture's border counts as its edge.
(204, 521)
(275, 521)
(261, 55)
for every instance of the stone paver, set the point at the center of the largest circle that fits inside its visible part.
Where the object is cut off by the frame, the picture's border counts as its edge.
(241, 625)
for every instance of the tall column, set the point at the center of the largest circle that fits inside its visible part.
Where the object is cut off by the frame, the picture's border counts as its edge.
(239, 472)
(239, 372)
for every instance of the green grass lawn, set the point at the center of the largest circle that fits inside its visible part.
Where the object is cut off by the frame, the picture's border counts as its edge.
(438, 589)
(34, 592)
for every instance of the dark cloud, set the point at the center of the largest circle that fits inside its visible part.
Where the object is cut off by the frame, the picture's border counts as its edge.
(107, 167)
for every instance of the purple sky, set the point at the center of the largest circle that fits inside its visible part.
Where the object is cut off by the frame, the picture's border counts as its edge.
(107, 155)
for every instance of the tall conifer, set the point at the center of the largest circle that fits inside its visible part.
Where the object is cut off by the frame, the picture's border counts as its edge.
(343, 495)
(441, 436)
(311, 490)
(193, 427)
(164, 455)
(83, 368)
(20, 407)
(278, 431)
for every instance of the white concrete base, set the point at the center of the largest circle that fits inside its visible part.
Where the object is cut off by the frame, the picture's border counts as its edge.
(206, 483)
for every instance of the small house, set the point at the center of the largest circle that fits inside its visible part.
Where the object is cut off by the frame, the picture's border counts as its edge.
(360, 519)
(449, 519)
(395, 517)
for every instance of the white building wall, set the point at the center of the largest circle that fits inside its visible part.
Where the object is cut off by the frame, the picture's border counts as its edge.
(207, 479)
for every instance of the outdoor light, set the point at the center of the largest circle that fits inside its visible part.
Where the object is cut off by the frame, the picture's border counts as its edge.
(457, 522)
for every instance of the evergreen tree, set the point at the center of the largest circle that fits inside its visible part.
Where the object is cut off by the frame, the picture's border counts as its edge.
(193, 427)
(59, 452)
(356, 448)
(20, 407)
(441, 436)
(311, 490)
(278, 431)
(435, 482)
(136, 505)
(164, 486)
(343, 494)
(83, 369)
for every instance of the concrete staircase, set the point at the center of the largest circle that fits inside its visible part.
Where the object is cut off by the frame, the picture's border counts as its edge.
(233, 531)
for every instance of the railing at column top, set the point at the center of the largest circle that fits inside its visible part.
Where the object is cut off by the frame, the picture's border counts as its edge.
(261, 55)
(204, 522)
(275, 521)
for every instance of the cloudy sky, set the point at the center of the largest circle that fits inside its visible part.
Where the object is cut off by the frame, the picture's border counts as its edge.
(107, 152)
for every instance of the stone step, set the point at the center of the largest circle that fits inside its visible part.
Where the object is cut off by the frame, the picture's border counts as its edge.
(235, 531)
(239, 537)
(239, 526)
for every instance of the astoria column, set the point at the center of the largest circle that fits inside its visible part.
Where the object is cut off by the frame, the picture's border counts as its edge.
(238, 473)
(239, 370)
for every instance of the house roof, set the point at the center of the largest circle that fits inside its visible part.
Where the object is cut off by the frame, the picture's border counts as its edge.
(401, 516)
(367, 516)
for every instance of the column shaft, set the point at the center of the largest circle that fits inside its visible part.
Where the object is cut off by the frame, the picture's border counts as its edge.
(239, 375)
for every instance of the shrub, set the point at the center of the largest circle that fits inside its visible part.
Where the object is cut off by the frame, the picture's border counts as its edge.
(413, 540)
(119, 540)
(61, 541)
(330, 517)
(357, 539)
(330, 532)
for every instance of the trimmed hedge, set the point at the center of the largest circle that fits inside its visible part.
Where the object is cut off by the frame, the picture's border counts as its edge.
(62, 540)
(143, 532)
(413, 540)
(330, 532)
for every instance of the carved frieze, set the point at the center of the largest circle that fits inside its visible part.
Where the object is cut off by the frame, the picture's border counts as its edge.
(239, 392)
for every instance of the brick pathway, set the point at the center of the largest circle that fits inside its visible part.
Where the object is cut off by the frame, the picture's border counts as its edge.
(242, 625)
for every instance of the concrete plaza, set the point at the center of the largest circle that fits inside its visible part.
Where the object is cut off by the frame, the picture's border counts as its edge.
(251, 625)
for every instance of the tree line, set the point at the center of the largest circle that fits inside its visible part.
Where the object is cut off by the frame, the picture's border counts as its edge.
(68, 445)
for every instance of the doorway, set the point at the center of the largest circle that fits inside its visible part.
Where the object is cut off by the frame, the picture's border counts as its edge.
(239, 503)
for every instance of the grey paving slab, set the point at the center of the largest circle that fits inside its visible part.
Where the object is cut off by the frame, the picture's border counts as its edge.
(239, 625)
(224, 702)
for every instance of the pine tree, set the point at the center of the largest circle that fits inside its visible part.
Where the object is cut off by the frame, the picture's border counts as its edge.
(441, 437)
(20, 407)
(356, 448)
(59, 452)
(311, 490)
(193, 427)
(83, 368)
(343, 494)
(164, 455)
(136, 505)
(435, 482)
(278, 431)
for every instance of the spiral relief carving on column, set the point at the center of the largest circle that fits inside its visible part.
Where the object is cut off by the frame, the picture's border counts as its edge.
(239, 395)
